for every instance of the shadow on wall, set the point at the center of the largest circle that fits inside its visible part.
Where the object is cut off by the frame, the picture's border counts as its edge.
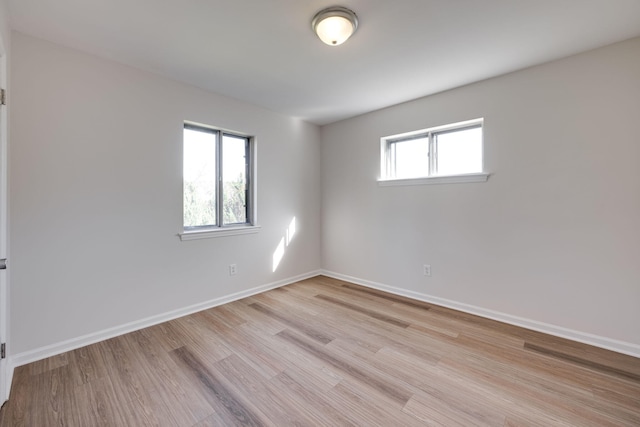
(284, 242)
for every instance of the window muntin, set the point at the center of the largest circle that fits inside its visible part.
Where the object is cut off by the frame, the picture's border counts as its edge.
(217, 178)
(450, 150)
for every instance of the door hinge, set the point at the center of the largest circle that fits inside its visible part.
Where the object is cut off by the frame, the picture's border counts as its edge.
(3, 350)
(3, 97)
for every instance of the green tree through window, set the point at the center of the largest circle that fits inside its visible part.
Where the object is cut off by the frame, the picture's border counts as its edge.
(216, 170)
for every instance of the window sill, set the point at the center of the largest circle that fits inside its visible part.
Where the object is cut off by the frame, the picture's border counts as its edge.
(218, 232)
(449, 179)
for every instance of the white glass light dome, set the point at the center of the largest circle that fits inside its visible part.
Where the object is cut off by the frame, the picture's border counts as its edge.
(335, 25)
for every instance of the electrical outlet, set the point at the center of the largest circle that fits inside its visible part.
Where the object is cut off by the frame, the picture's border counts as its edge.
(233, 269)
(427, 270)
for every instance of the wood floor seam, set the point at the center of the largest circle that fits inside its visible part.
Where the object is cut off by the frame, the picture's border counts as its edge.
(306, 329)
(388, 390)
(583, 362)
(371, 313)
(217, 391)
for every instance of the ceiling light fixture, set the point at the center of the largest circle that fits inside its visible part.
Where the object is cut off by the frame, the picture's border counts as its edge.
(334, 25)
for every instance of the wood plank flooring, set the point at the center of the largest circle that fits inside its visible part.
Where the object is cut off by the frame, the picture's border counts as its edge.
(323, 352)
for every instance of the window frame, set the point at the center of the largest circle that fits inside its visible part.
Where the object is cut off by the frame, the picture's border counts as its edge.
(388, 175)
(220, 229)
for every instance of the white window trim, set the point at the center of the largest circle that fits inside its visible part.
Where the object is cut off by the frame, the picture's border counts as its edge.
(218, 232)
(441, 179)
(433, 179)
(230, 230)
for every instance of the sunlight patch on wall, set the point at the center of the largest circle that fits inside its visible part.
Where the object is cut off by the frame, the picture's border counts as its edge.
(289, 233)
(278, 254)
(291, 230)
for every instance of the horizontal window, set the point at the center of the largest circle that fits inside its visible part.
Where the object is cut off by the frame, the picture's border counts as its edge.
(445, 151)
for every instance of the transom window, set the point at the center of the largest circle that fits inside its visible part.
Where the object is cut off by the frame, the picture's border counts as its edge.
(218, 182)
(451, 150)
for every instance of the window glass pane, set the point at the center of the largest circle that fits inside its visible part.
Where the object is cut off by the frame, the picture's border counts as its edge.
(459, 152)
(234, 179)
(199, 174)
(410, 158)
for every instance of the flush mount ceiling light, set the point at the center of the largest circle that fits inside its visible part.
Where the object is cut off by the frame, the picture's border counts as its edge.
(334, 25)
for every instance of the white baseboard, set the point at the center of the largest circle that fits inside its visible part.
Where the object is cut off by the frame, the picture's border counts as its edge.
(61, 347)
(558, 331)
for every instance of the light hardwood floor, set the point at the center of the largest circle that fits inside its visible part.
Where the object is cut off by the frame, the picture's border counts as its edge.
(326, 352)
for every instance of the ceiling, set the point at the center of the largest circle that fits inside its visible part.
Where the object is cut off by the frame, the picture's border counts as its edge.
(264, 52)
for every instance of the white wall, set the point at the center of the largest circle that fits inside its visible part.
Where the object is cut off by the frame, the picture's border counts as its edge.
(5, 30)
(552, 237)
(5, 44)
(96, 196)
